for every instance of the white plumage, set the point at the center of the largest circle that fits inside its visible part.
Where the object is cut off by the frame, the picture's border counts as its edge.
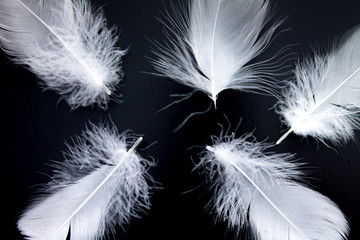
(99, 185)
(211, 44)
(261, 191)
(324, 100)
(66, 44)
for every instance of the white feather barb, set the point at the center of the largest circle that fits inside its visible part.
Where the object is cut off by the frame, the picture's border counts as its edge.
(211, 43)
(98, 186)
(262, 191)
(324, 100)
(66, 44)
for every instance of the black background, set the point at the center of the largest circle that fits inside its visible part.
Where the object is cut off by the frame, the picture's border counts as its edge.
(35, 126)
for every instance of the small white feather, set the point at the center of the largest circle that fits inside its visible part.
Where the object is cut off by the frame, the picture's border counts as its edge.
(66, 44)
(98, 186)
(211, 44)
(324, 100)
(261, 191)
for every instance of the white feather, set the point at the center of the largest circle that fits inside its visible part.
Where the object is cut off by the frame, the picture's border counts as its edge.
(211, 44)
(262, 191)
(98, 185)
(66, 44)
(324, 101)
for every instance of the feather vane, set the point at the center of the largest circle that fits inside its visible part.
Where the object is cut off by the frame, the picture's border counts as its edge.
(98, 186)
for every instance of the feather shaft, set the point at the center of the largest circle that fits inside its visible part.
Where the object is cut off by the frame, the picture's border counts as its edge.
(68, 48)
(213, 92)
(132, 148)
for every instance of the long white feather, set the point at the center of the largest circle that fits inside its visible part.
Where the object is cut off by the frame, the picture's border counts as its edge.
(211, 44)
(262, 191)
(324, 101)
(66, 44)
(99, 185)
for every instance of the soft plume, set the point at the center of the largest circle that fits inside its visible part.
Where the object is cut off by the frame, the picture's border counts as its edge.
(323, 101)
(261, 192)
(211, 45)
(100, 184)
(66, 44)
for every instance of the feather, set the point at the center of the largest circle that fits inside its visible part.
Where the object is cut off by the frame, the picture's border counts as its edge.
(324, 100)
(66, 44)
(99, 185)
(211, 44)
(263, 191)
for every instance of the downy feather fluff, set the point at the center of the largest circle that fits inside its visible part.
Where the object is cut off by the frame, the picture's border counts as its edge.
(211, 43)
(261, 191)
(98, 185)
(66, 44)
(324, 100)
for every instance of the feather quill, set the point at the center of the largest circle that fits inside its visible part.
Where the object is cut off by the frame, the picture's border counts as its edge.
(66, 44)
(98, 186)
(324, 100)
(211, 44)
(262, 191)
